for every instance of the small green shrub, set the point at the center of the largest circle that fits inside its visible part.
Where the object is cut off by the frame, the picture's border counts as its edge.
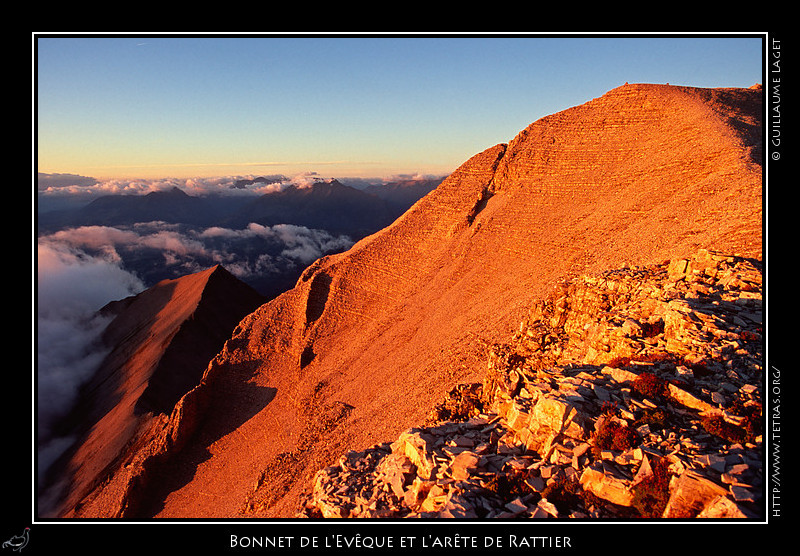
(655, 418)
(649, 385)
(619, 362)
(651, 495)
(613, 435)
(753, 414)
(748, 336)
(566, 495)
(625, 438)
(461, 403)
(717, 425)
(609, 408)
(509, 485)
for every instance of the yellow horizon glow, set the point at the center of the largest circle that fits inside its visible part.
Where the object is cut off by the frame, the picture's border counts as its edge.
(339, 168)
(194, 170)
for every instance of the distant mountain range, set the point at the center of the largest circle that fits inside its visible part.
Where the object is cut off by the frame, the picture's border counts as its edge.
(314, 220)
(327, 205)
(173, 206)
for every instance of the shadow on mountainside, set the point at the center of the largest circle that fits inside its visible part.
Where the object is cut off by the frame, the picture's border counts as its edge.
(166, 476)
(96, 400)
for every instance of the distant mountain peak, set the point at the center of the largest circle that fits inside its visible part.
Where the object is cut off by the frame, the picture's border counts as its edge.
(174, 191)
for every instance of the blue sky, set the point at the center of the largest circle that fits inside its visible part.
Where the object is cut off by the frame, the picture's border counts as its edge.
(178, 106)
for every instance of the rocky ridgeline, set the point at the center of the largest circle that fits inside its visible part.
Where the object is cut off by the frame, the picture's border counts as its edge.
(635, 393)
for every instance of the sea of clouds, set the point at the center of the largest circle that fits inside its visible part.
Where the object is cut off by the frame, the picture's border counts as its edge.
(71, 287)
(172, 250)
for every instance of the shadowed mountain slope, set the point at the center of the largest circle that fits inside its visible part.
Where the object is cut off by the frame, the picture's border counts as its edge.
(370, 340)
(162, 340)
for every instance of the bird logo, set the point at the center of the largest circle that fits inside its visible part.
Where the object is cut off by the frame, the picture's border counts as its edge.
(18, 542)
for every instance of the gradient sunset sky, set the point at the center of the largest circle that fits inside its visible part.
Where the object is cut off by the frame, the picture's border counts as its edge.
(183, 106)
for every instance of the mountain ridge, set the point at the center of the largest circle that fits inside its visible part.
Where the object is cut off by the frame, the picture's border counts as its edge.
(161, 340)
(370, 339)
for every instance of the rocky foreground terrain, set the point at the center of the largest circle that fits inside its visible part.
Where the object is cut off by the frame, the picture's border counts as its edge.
(633, 393)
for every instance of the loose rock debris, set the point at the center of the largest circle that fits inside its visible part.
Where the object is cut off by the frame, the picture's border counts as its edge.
(636, 393)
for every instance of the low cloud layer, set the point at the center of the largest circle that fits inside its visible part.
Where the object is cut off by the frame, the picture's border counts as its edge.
(71, 286)
(69, 191)
(299, 243)
(157, 250)
(61, 186)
